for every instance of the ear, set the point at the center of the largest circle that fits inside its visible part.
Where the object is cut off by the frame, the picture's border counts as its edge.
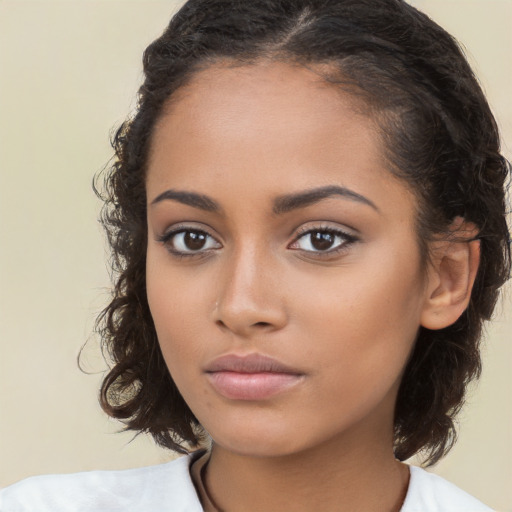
(451, 275)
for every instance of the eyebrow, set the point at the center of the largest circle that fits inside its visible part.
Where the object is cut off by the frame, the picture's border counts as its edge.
(282, 204)
(189, 198)
(289, 202)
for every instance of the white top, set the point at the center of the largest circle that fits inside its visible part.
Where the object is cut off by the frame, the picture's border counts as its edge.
(169, 488)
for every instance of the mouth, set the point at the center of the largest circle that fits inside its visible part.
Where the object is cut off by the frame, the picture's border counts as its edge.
(252, 377)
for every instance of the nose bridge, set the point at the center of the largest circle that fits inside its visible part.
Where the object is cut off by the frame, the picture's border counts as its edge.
(243, 267)
(249, 298)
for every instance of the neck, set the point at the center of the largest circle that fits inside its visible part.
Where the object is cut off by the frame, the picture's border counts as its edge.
(342, 475)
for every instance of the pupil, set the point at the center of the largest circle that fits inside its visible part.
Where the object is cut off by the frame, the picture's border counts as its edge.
(194, 241)
(322, 240)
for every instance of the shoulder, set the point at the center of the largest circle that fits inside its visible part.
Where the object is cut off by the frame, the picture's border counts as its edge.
(431, 493)
(164, 487)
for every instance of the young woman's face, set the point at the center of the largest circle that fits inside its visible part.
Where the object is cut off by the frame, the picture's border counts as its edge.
(283, 270)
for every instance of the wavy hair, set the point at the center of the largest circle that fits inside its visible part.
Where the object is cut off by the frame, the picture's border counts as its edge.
(441, 139)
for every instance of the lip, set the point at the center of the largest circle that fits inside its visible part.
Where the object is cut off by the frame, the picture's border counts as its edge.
(251, 377)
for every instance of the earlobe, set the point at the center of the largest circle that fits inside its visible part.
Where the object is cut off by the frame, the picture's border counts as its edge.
(451, 277)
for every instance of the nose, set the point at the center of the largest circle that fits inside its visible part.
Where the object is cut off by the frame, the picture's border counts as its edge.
(250, 301)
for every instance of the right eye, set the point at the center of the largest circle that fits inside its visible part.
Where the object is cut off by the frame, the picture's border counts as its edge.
(187, 242)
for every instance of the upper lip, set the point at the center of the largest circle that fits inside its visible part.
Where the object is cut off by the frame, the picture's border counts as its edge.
(252, 363)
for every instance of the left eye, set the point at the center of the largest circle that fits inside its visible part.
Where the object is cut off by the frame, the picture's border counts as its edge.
(321, 240)
(190, 241)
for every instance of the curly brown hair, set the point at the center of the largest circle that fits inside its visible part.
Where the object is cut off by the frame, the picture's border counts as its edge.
(441, 139)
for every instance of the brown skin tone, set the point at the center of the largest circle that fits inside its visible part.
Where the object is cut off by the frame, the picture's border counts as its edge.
(344, 314)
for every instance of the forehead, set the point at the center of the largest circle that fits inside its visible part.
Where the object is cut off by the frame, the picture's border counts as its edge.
(230, 82)
(277, 95)
(268, 127)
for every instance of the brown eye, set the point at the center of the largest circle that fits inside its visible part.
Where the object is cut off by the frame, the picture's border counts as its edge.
(194, 241)
(189, 241)
(322, 241)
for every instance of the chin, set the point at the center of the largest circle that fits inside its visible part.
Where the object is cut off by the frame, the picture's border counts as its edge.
(258, 439)
(270, 440)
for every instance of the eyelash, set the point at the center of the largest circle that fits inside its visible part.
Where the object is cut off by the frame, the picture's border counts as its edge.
(347, 240)
(168, 237)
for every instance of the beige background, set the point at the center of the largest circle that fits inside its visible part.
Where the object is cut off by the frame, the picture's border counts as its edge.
(68, 74)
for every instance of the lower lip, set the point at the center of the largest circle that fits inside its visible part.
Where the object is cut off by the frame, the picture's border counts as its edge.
(252, 386)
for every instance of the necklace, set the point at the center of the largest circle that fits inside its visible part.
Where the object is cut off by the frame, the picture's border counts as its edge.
(198, 474)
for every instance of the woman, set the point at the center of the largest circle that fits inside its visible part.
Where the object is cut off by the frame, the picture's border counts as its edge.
(307, 217)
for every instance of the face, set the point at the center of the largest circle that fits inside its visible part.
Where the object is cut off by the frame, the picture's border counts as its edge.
(283, 271)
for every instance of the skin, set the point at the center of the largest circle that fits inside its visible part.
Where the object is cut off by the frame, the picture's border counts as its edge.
(346, 320)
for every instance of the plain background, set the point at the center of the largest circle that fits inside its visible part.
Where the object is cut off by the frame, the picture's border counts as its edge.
(69, 71)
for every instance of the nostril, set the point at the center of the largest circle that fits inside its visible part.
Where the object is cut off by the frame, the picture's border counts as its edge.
(261, 324)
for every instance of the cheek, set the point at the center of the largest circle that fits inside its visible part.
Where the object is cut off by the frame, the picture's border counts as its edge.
(177, 305)
(365, 316)
(178, 337)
